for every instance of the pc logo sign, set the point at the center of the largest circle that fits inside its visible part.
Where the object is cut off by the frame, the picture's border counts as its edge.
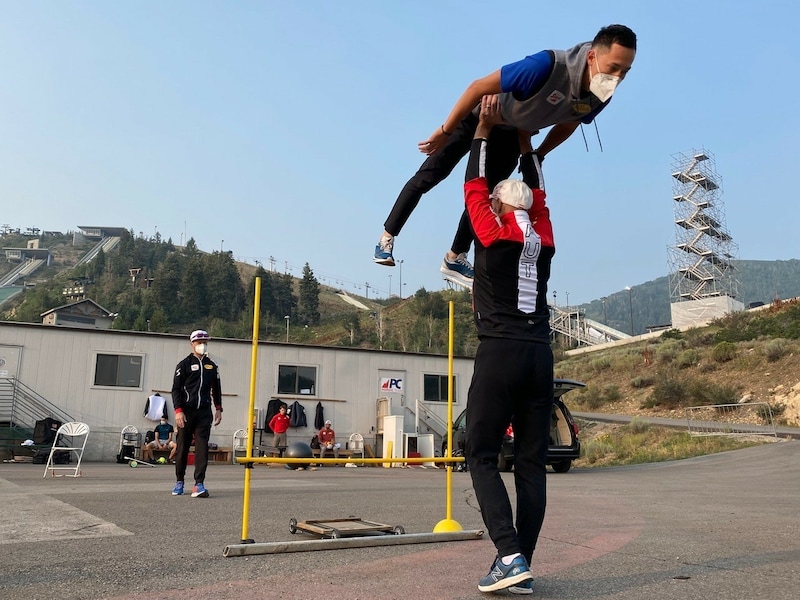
(390, 384)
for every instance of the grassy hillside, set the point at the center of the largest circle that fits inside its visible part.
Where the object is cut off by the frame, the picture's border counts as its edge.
(746, 357)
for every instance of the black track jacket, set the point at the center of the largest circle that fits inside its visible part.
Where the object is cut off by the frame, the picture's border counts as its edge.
(196, 385)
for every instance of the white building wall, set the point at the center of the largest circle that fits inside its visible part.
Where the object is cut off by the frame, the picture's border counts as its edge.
(696, 313)
(59, 363)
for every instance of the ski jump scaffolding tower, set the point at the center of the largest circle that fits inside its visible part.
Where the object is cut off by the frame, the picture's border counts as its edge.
(703, 283)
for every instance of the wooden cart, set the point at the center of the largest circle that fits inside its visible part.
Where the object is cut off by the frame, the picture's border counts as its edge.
(338, 528)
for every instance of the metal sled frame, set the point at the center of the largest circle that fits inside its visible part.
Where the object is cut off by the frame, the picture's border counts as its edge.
(338, 528)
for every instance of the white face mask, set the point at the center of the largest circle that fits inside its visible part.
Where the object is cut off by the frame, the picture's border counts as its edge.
(603, 85)
(201, 348)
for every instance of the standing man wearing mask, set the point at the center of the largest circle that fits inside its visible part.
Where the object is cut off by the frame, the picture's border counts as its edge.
(558, 88)
(195, 388)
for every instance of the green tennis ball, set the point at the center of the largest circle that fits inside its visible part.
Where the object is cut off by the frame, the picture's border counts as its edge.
(134, 464)
(162, 460)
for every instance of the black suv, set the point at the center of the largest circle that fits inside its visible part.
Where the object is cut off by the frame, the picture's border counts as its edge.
(564, 444)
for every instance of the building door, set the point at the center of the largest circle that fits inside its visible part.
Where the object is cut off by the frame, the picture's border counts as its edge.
(9, 361)
(391, 394)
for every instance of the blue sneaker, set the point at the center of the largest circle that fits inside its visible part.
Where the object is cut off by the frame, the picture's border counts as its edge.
(199, 491)
(383, 251)
(178, 489)
(522, 589)
(459, 271)
(504, 576)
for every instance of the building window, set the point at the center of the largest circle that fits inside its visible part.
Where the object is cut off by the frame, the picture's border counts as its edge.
(435, 387)
(118, 370)
(297, 380)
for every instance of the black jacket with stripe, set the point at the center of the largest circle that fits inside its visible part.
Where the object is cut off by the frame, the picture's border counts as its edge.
(512, 256)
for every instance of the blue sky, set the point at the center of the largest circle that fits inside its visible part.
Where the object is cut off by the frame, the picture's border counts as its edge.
(287, 129)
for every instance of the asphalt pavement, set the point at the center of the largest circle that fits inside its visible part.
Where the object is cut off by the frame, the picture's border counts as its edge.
(723, 526)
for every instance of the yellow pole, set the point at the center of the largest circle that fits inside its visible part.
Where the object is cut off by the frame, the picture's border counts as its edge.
(250, 430)
(448, 523)
(390, 452)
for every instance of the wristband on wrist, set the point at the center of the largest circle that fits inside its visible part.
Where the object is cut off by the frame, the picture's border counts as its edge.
(445, 132)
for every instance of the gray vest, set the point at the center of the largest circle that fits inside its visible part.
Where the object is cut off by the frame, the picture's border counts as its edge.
(559, 100)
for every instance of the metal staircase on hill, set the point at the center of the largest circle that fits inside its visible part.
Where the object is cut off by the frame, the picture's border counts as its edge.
(572, 325)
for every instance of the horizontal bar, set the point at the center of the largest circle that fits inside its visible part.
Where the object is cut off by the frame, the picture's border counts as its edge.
(350, 542)
(336, 461)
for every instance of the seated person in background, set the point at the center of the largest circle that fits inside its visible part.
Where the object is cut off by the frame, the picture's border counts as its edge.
(279, 424)
(164, 432)
(327, 441)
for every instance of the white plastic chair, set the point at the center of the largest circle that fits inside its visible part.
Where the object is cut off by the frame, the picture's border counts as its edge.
(239, 444)
(130, 438)
(356, 444)
(72, 430)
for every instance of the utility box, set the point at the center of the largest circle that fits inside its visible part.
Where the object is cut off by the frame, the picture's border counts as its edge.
(418, 445)
(393, 432)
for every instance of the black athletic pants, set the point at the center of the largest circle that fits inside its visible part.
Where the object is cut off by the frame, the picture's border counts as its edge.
(198, 424)
(502, 157)
(512, 383)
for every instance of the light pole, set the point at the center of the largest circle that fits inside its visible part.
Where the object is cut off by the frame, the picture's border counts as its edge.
(605, 318)
(400, 264)
(554, 299)
(630, 304)
(287, 328)
(567, 293)
(390, 287)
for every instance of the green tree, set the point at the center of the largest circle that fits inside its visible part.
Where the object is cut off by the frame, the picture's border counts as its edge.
(99, 263)
(265, 290)
(427, 303)
(140, 323)
(166, 287)
(190, 249)
(308, 305)
(225, 290)
(352, 326)
(158, 320)
(123, 258)
(194, 291)
(283, 301)
(129, 309)
(37, 300)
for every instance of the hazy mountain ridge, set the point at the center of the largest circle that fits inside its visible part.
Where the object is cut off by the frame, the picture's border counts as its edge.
(647, 304)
